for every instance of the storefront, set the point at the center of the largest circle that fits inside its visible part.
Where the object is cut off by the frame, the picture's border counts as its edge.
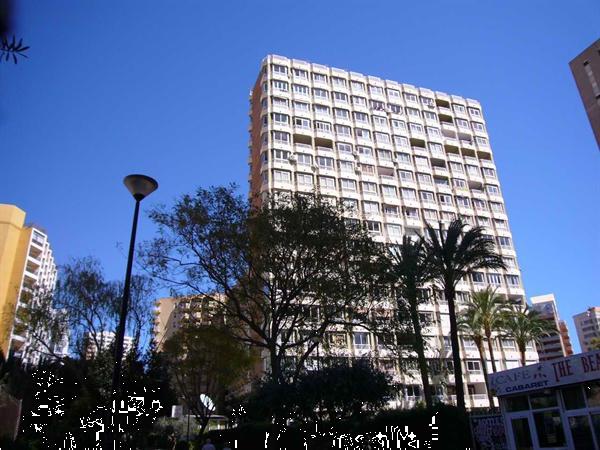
(553, 405)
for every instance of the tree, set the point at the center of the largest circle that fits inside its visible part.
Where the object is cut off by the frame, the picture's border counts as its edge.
(456, 254)
(291, 263)
(204, 361)
(525, 325)
(411, 269)
(471, 324)
(488, 307)
(595, 343)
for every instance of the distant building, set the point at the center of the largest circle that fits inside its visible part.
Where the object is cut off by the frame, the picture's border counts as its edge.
(26, 266)
(558, 344)
(588, 327)
(103, 340)
(586, 71)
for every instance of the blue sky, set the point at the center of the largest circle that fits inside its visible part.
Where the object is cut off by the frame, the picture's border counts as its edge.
(161, 88)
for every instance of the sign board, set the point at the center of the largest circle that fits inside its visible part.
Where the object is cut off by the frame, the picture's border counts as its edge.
(488, 432)
(570, 370)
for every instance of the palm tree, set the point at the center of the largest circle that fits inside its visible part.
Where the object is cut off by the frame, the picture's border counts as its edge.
(470, 323)
(525, 325)
(455, 255)
(411, 269)
(488, 306)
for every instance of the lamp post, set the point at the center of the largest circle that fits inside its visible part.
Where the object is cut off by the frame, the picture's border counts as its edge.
(140, 186)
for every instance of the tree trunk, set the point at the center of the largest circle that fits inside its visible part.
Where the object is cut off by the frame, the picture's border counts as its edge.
(522, 352)
(276, 375)
(479, 344)
(458, 378)
(488, 335)
(420, 349)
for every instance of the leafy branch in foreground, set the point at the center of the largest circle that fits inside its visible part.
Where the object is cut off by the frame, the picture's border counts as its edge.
(10, 49)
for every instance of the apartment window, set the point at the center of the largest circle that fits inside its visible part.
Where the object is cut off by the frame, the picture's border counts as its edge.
(340, 96)
(377, 105)
(483, 221)
(501, 224)
(350, 203)
(373, 227)
(393, 93)
(509, 262)
(348, 185)
(304, 179)
(489, 172)
(442, 182)
(382, 137)
(322, 109)
(403, 158)
(458, 108)
(361, 339)
(424, 178)
(479, 204)
(497, 207)
(281, 137)
(509, 344)
(410, 97)
(459, 183)
(384, 155)
(427, 197)
(320, 93)
(467, 219)
(475, 112)
(435, 148)
(468, 342)
(279, 118)
(391, 210)
(472, 170)
(448, 216)
(361, 117)
(463, 201)
(346, 166)
(362, 133)
(301, 106)
(445, 199)
(462, 123)
(304, 159)
(504, 242)
(341, 113)
(492, 189)
(408, 194)
(473, 367)
(319, 77)
(421, 161)
(478, 277)
(375, 90)
(396, 109)
(337, 81)
(359, 101)
(344, 147)
(300, 89)
(416, 128)
(413, 112)
(301, 122)
(494, 278)
(369, 188)
(477, 126)
(405, 175)
(401, 141)
(282, 176)
(481, 141)
(365, 151)
(411, 213)
(393, 230)
(279, 69)
(279, 85)
(357, 85)
(430, 214)
(325, 162)
(343, 130)
(280, 155)
(430, 115)
(380, 121)
(513, 280)
(398, 124)
(327, 182)
(322, 126)
(456, 167)
(433, 132)
(371, 207)
(278, 101)
(389, 191)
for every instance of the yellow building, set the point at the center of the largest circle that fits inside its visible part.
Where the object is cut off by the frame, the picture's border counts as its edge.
(26, 262)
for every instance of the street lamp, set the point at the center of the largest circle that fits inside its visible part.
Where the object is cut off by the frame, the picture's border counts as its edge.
(140, 186)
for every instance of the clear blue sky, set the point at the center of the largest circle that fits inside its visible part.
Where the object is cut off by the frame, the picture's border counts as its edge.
(161, 87)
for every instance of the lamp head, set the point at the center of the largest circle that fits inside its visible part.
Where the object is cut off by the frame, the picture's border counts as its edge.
(140, 186)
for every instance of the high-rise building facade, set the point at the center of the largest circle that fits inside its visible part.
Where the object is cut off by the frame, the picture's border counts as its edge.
(399, 156)
(93, 342)
(587, 325)
(26, 265)
(557, 344)
(586, 71)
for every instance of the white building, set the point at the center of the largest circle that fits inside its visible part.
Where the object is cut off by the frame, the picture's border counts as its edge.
(587, 324)
(557, 344)
(103, 340)
(401, 156)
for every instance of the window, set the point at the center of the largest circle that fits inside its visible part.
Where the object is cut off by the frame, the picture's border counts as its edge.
(459, 183)
(357, 86)
(475, 112)
(463, 201)
(447, 216)
(343, 130)
(377, 105)
(376, 90)
(462, 123)
(424, 178)
(494, 278)
(509, 262)
(337, 81)
(325, 162)
(496, 207)
(410, 97)
(421, 161)
(300, 89)
(513, 280)
(362, 133)
(408, 194)
(442, 182)
(393, 230)
(403, 158)
(346, 166)
(384, 155)
(300, 73)
(413, 112)
(430, 214)
(435, 148)
(366, 151)
(301, 106)
(473, 367)
(327, 182)
(301, 122)
(401, 141)
(322, 126)
(373, 227)
(322, 109)
(389, 191)
(483, 221)
(393, 93)
(509, 344)
(480, 204)
(340, 96)
(279, 85)
(468, 342)
(489, 172)
(350, 203)
(445, 199)
(304, 179)
(344, 147)
(361, 117)
(427, 197)
(304, 159)
(282, 176)
(280, 118)
(320, 93)
(380, 121)
(411, 213)
(416, 128)
(371, 207)
(348, 185)
(478, 277)
(456, 167)
(405, 175)
(458, 108)
(319, 77)
(413, 390)
(433, 132)
(279, 69)
(341, 113)
(278, 101)
(359, 101)
(492, 189)
(398, 124)
(280, 155)
(281, 137)
(369, 188)
(481, 141)
(430, 115)
(501, 224)
(472, 170)
(382, 138)
(504, 242)
(391, 210)
(478, 126)
(396, 109)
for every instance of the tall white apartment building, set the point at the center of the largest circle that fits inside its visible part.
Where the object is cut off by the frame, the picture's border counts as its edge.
(587, 324)
(103, 340)
(400, 156)
(556, 344)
